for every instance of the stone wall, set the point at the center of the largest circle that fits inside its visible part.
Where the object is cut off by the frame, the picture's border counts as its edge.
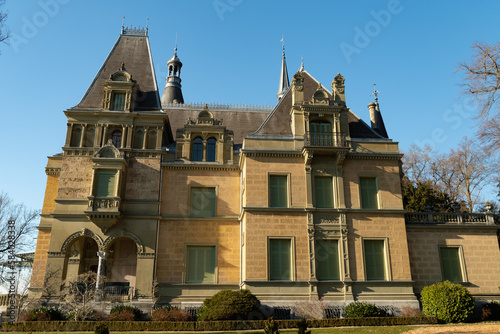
(76, 177)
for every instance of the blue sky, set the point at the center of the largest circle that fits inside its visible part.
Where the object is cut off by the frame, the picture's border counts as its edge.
(231, 52)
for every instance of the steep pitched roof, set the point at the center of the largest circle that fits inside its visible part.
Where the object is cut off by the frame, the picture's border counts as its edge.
(278, 123)
(134, 52)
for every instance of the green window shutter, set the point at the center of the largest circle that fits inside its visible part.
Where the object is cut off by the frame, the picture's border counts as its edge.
(119, 101)
(278, 191)
(368, 189)
(327, 260)
(105, 183)
(323, 188)
(375, 259)
(280, 260)
(202, 202)
(450, 262)
(200, 266)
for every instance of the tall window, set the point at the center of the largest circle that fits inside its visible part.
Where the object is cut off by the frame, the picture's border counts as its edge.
(368, 190)
(76, 136)
(451, 264)
(197, 149)
(139, 139)
(278, 191)
(89, 136)
(323, 191)
(118, 101)
(117, 138)
(203, 202)
(151, 142)
(105, 183)
(321, 133)
(200, 264)
(280, 259)
(375, 266)
(327, 260)
(211, 142)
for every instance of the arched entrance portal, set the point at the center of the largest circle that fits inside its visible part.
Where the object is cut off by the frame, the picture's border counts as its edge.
(81, 257)
(121, 266)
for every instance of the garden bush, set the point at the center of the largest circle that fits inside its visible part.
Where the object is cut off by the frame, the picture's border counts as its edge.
(101, 329)
(125, 313)
(170, 314)
(490, 312)
(44, 314)
(230, 305)
(302, 326)
(362, 310)
(271, 326)
(449, 302)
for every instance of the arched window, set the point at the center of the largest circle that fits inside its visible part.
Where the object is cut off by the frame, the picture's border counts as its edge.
(321, 133)
(198, 149)
(211, 142)
(76, 136)
(117, 138)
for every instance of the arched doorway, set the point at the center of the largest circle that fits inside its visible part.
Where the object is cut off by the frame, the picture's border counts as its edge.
(121, 266)
(80, 257)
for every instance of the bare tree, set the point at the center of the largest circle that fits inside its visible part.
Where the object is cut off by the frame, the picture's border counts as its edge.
(482, 77)
(417, 163)
(17, 227)
(473, 169)
(3, 17)
(79, 295)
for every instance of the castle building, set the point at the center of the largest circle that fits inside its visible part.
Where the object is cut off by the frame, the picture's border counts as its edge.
(298, 202)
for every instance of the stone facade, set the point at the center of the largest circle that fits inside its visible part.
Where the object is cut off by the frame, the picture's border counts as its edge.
(299, 202)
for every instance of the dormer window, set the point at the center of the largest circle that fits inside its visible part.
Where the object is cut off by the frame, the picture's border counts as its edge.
(211, 147)
(321, 133)
(119, 91)
(198, 149)
(119, 101)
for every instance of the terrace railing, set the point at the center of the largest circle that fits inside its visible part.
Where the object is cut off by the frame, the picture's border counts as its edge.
(449, 218)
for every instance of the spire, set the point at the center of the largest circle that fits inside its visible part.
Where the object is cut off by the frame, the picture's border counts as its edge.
(173, 91)
(301, 69)
(376, 119)
(284, 81)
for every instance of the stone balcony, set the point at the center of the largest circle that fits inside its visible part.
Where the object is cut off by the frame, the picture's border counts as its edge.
(103, 211)
(322, 139)
(449, 218)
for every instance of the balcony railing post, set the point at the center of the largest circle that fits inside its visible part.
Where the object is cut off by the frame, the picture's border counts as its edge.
(460, 218)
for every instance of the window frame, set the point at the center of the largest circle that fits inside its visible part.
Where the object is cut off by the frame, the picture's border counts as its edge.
(287, 190)
(461, 263)
(186, 262)
(292, 257)
(215, 187)
(193, 144)
(114, 94)
(377, 188)
(115, 180)
(387, 260)
(331, 178)
(339, 262)
(209, 146)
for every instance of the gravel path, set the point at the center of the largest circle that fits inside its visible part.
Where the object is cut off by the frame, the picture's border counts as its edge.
(458, 329)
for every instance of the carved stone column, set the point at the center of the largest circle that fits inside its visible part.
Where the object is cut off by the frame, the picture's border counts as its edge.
(145, 138)
(313, 279)
(339, 180)
(346, 279)
(100, 269)
(82, 135)
(129, 136)
(68, 134)
(308, 156)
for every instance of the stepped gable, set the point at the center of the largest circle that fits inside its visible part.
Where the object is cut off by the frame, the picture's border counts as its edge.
(133, 51)
(279, 121)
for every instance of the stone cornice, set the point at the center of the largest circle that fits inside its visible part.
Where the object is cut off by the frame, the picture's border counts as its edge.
(272, 153)
(55, 171)
(199, 166)
(216, 218)
(44, 228)
(374, 156)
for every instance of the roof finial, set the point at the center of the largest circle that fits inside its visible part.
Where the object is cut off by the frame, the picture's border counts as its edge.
(175, 49)
(283, 43)
(147, 25)
(375, 93)
(301, 64)
(123, 23)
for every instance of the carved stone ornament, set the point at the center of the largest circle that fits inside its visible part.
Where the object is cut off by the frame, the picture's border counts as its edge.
(338, 81)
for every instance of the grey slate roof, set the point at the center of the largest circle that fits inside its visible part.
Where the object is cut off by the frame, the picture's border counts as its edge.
(134, 52)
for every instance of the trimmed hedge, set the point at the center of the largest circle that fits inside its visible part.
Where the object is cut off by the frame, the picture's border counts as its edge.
(48, 326)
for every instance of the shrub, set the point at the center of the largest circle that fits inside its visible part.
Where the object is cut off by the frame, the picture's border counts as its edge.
(125, 313)
(270, 326)
(490, 311)
(101, 329)
(86, 314)
(44, 314)
(302, 326)
(449, 302)
(229, 305)
(362, 310)
(170, 314)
